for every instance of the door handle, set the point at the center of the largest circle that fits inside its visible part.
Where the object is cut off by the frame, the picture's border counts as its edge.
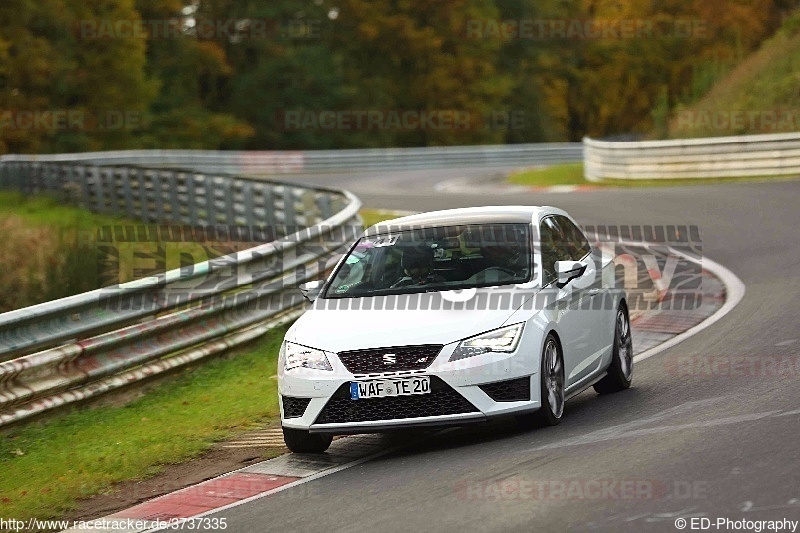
(594, 292)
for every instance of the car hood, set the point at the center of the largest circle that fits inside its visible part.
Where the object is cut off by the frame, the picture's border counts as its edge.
(383, 321)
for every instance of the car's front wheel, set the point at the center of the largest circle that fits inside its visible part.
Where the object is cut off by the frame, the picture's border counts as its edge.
(620, 371)
(551, 386)
(300, 441)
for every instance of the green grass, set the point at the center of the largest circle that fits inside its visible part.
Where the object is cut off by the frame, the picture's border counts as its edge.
(572, 174)
(44, 210)
(46, 467)
(566, 174)
(373, 216)
(764, 83)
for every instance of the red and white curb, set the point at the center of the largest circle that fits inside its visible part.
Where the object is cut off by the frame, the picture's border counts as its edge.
(247, 484)
(564, 188)
(471, 186)
(732, 292)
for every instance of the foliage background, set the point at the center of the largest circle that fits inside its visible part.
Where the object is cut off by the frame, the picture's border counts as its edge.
(226, 93)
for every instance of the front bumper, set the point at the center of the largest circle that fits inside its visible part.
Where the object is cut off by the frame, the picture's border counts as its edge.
(458, 394)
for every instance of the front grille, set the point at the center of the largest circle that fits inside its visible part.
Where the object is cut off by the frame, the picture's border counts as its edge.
(442, 400)
(513, 390)
(294, 407)
(376, 360)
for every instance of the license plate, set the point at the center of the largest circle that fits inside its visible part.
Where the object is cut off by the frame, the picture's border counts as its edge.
(384, 388)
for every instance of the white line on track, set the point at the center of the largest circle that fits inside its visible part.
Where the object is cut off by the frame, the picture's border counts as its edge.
(734, 292)
(293, 484)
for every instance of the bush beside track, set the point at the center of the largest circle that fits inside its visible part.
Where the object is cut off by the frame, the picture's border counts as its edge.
(50, 251)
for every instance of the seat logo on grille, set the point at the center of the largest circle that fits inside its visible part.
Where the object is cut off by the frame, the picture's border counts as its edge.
(389, 359)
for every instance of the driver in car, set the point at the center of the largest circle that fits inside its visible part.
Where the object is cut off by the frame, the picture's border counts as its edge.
(506, 256)
(417, 265)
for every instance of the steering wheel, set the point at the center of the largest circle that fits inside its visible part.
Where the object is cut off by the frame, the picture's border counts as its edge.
(501, 269)
(402, 282)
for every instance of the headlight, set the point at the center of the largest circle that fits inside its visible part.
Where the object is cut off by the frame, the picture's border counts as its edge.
(296, 356)
(503, 340)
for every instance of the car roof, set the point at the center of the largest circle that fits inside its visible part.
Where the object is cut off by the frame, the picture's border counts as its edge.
(469, 215)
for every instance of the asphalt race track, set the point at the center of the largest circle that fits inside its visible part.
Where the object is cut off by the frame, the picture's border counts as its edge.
(720, 440)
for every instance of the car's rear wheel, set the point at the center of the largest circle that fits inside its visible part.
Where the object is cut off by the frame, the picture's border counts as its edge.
(620, 371)
(300, 441)
(551, 381)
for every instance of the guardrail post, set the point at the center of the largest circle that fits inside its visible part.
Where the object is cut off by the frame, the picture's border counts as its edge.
(158, 194)
(268, 203)
(249, 211)
(174, 205)
(230, 213)
(96, 184)
(289, 217)
(324, 206)
(144, 202)
(112, 178)
(127, 192)
(64, 183)
(191, 199)
(81, 175)
(211, 193)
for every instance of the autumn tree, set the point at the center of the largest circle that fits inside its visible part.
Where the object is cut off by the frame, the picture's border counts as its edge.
(415, 55)
(190, 88)
(192, 68)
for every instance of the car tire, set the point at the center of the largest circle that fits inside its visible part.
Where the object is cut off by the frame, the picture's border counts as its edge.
(620, 371)
(301, 441)
(551, 387)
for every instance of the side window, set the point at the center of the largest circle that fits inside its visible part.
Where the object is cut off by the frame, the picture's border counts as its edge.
(576, 244)
(552, 246)
(561, 240)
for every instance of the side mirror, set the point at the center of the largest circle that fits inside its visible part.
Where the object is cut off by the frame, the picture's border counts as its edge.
(569, 270)
(311, 289)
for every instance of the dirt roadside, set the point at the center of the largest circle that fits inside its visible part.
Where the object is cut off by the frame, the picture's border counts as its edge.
(238, 452)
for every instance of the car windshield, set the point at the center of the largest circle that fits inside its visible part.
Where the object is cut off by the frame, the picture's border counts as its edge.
(434, 259)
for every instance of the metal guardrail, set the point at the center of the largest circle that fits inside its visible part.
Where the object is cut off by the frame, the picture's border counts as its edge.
(324, 161)
(160, 195)
(716, 157)
(78, 347)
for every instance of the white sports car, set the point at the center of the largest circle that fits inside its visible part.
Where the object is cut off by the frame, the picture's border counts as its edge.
(452, 317)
